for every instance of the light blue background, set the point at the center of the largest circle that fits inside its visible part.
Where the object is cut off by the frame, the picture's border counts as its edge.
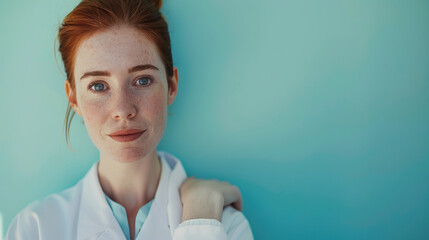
(317, 110)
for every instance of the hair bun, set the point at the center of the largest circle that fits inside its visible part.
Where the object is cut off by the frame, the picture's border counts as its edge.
(158, 4)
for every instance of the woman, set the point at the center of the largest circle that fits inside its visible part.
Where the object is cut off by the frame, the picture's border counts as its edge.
(120, 80)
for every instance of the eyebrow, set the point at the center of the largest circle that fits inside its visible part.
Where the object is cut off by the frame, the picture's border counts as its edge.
(106, 73)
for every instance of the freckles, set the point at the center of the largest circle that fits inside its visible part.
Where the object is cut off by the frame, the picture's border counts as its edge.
(92, 111)
(94, 107)
(145, 56)
(155, 108)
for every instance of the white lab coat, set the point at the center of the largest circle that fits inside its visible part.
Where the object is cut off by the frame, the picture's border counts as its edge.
(82, 212)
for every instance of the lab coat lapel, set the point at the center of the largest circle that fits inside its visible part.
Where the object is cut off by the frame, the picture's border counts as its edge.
(156, 225)
(166, 211)
(96, 219)
(174, 205)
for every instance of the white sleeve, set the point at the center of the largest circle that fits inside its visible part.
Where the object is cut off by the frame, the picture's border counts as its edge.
(197, 229)
(234, 226)
(23, 226)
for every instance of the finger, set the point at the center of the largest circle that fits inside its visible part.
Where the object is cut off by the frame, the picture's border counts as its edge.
(238, 205)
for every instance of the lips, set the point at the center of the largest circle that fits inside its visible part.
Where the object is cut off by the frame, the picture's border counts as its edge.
(126, 135)
(126, 132)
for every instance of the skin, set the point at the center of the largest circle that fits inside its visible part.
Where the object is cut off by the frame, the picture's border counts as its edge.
(129, 172)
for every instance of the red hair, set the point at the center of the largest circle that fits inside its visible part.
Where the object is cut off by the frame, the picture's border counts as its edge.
(91, 16)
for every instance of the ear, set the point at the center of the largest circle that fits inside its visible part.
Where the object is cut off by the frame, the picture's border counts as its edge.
(72, 97)
(174, 82)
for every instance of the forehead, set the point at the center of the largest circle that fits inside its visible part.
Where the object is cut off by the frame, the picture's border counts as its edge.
(115, 49)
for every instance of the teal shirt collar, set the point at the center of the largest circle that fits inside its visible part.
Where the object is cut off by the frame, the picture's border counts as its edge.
(121, 216)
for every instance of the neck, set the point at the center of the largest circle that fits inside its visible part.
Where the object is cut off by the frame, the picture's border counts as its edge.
(130, 184)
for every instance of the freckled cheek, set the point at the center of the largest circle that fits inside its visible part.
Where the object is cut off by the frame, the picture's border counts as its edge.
(155, 109)
(93, 113)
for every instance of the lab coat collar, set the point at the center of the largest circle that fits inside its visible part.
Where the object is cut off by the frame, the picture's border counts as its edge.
(96, 219)
(95, 215)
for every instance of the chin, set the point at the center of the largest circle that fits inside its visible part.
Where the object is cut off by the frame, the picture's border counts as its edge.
(129, 155)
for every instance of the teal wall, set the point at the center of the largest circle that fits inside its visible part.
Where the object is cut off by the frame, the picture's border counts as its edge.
(317, 110)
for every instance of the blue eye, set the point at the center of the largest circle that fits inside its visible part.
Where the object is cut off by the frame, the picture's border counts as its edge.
(97, 87)
(143, 81)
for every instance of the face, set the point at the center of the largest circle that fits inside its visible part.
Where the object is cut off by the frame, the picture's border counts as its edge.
(121, 84)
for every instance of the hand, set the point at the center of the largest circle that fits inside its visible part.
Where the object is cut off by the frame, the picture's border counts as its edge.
(206, 198)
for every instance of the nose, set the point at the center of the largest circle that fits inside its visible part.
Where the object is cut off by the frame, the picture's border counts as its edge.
(123, 106)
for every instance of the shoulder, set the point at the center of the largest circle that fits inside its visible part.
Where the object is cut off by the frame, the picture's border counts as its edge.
(233, 223)
(57, 204)
(39, 216)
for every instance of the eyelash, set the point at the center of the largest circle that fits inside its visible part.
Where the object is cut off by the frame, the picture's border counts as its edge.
(96, 82)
